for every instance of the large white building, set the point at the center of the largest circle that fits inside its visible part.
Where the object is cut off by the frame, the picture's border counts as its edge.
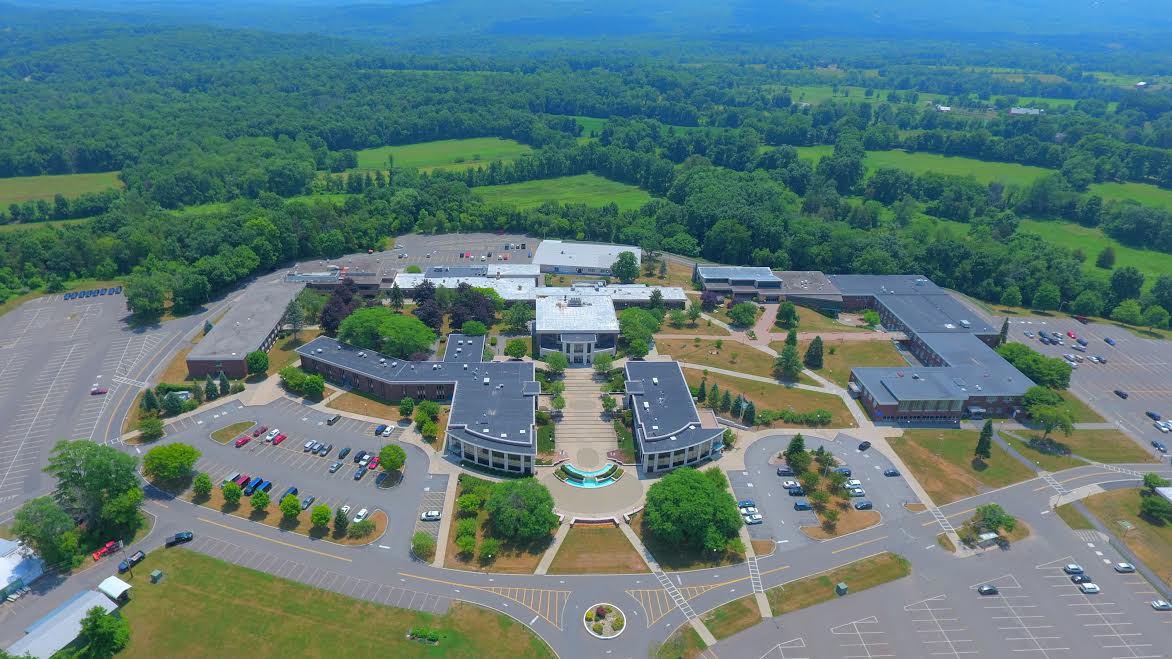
(570, 258)
(579, 326)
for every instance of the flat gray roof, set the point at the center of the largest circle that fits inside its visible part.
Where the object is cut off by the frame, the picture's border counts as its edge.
(620, 292)
(60, 627)
(464, 348)
(492, 402)
(250, 320)
(736, 272)
(511, 289)
(882, 284)
(485, 270)
(581, 255)
(665, 415)
(808, 282)
(934, 314)
(583, 314)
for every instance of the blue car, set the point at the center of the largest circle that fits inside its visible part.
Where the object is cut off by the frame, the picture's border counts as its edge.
(746, 503)
(252, 485)
(1110, 341)
(102, 292)
(292, 490)
(118, 290)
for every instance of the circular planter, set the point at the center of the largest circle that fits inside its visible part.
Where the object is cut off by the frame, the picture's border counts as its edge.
(613, 615)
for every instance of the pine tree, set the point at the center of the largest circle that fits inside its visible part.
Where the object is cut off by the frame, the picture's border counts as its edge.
(702, 393)
(750, 415)
(209, 389)
(791, 339)
(726, 401)
(396, 298)
(813, 357)
(225, 386)
(150, 402)
(738, 406)
(207, 327)
(984, 448)
(295, 316)
(714, 397)
(1004, 331)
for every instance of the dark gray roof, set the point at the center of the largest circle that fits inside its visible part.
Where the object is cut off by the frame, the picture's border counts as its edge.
(492, 402)
(934, 313)
(665, 416)
(882, 284)
(808, 283)
(464, 348)
(249, 321)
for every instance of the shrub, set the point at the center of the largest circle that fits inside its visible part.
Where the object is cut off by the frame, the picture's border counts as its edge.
(466, 544)
(590, 616)
(466, 526)
(361, 529)
(617, 624)
(423, 545)
(597, 628)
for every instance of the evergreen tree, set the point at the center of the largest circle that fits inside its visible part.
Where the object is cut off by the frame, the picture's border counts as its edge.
(295, 316)
(725, 401)
(750, 415)
(791, 338)
(209, 389)
(396, 298)
(225, 386)
(738, 406)
(813, 359)
(207, 327)
(787, 366)
(714, 397)
(702, 393)
(1004, 331)
(150, 402)
(984, 448)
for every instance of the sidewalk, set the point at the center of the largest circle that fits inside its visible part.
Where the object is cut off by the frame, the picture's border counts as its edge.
(670, 587)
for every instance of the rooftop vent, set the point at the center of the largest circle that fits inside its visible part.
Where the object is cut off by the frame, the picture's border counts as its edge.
(673, 438)
(465, 367)
(319, 351)
(655, 427)
(485, 380)
(646, 405)
(655, 381)
(382, 360)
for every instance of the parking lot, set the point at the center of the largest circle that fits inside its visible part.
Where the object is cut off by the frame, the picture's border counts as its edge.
(760, 483)
(446, 249)
(288, 464)
(1141, 367)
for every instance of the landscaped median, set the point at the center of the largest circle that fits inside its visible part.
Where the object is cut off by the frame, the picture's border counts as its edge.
(228, 433)
(777, 399)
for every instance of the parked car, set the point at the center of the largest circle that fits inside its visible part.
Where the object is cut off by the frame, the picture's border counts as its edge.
(289, 490)
(265, 486)
(344, 452)
(387, 431)
(272, 433)
(863, 446)
(382, 477)
(279, 438)
(179, 538)
(333, 419)
(854, 482)
(845, 471)
(430, 516)
(857, 492)
(360, 473)
(1029, 334)
(373, 463)
(746, 503)
(1082, 341)
(891, 471)
(1159, 446)
(1161, 605)
(378, 430)
(1121, 393)
(1089, 588)
(1124, 568)
(308, 446)
(785, 471)
(1072, 568)
(1072, 335)
(1154, 416)
(130, 562)
(358, 457)
(260, 430)
(105, 549)
(1110, 341)
(789, 484)
(863, 505)
(336, 466)
(1102, 359)
(1081, 578)
(242, 440)
(797, 492)
(749, 510)
(988, 589)
(252, 485)
(230, 479)
(753, 520)
(802, 504)
(325, 450)
(308, 501)
(362, 514)
(99, 391)
(243, 480)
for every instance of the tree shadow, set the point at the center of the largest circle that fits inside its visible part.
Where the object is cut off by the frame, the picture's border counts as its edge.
(258, 515)
(289, 523)
(229, 508)
(978, 464)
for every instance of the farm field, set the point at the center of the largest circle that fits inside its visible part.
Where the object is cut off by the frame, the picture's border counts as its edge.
(1149, 195)
(921, 162)
(443, 154)
(27, 188)
(1092, 241)
(588, 189)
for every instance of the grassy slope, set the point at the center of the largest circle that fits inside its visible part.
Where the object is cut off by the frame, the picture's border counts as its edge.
(443, 154)
(25, 188)
(1092, 241)
(942, 461)
(596, 550)
(778, 397)
(586, 189)
(195, 612)
(1151, 543)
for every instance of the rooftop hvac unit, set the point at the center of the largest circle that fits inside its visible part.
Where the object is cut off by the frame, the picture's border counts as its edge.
(655, 381)
(646, 405)
(485, 380)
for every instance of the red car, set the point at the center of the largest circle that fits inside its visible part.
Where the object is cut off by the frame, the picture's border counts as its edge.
(279, 438)
(373, 463)
(259, 431)
(243, 480)
(242, 440)
(98, 391)
(1072, 335)
(105, 549)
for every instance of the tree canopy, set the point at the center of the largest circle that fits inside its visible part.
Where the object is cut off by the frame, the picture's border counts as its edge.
(689, 508)
(521, 510)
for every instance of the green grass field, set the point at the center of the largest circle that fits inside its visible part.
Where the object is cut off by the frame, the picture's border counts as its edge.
(589, 124)
(195, 612)
(1149, 195)
(920, 163)
(27, 188)
(586, 189)
(1092, 241)
(51, 223)
(443, 154)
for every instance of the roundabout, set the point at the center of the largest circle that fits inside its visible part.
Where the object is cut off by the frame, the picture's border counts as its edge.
(604, 621)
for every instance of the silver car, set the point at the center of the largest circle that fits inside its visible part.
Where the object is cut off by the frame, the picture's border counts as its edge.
(430, 516)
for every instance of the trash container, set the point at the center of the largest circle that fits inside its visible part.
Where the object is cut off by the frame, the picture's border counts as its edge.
(841, 588)
(156, 576)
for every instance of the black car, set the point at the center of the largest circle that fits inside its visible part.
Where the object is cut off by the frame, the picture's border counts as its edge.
(344, 452)
(863, 505)
(382, 476)
(1121, 393)
(358, 456)
(1159, 446)
(179, 538)
(891, 471)
(796, 492)
(845, 471)
(863, 446)
(988, 589)
(360, 473)
(1081, 578)
(785, 471)
(1153, 415)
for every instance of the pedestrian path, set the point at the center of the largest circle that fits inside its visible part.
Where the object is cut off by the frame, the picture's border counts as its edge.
(674, 593)
(547, 558)
(583, 434)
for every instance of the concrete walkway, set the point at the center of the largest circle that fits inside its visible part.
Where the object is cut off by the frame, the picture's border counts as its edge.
(755, 378)
(583, 435)
(547, 557)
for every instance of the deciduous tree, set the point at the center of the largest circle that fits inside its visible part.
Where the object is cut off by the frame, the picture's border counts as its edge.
(290, 506)
(625, 268)
(170, 462)
(257, 361)
(556, 363)
(688, 509)
(259, 500)
(202, 485)
(516, 348)
(392, 457)
(102, 635)
(320, 516)
(231, 492)
(521, 510)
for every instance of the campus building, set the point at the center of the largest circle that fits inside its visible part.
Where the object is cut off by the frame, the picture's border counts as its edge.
(49, 635)
(579, 326)
(251, 324)
(739, 282)
(493, 404)
(573, 258)
(668, 430)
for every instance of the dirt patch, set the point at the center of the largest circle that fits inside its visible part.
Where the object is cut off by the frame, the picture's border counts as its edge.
(915, 507)
(849, 521)
(763, 548)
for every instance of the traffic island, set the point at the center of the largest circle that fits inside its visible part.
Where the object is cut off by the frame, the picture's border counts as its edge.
(604, 621)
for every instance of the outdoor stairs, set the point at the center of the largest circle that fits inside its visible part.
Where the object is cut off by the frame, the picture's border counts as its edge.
(582, 421)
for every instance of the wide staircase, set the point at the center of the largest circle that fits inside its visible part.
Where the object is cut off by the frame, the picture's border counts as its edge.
(583, 433)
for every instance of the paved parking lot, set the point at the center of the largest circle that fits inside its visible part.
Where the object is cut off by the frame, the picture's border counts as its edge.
(760, 483)
(1141, 367)
(433, 499)
(446, 249)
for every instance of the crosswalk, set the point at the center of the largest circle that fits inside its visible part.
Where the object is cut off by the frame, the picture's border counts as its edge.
(942, 520)
(755, 575)
(675, 594)
(1053, 482)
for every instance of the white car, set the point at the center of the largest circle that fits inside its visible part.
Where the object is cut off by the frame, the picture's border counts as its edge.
(1072, 568)
(1161, 426)
(857, 492)
(362, 514)
(1161, 605)
(345, 510)
(387, 431)
(430, 516)
(1029, 334)
(854, 482)
(272, 433)
(789, 485)
(752, 519)
(748, 510)
(1124, 568)
(1088, 588)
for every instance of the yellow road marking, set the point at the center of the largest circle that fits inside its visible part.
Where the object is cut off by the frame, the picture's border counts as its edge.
(1074, 478)
(865, 542)
(963, 512)
(776, 569)
(279, 542)
(526, 597)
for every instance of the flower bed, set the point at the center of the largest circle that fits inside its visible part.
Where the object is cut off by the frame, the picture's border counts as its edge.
(604, 621)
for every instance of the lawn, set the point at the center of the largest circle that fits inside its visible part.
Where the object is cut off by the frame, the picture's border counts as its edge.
(176, 370)
(921, 162)
(778, 397)
(1081, 411)
(1092, 241)
(601, 549)
(283, 352)
(443, 154)
(1046, 461)
(678, 274)
(511, 559)
(730, 355)
(228, 433)
(1151, 543)
(26, 188)
(849, 521)
(702, 328)
(1073, 517)
(357, 402)
(1107, 445)
(677, 558)
(1144, 193)
(858, 576)
(942, 461)
(194, 612)
(684, 643)
(588, 189)
(849, 354)
(589, 125)
(735, 616)
(812, 321)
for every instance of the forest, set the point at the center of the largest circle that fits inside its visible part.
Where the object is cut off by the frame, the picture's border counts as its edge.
(227, 142)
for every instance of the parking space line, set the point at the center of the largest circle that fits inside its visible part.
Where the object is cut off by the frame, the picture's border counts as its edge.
(279, 542)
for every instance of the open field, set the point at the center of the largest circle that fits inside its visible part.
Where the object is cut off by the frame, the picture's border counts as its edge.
(921, 162)
(732, 355)
(778, 397)
(849, 354)
(1149, 195)
(27, 188)
(193, 612)
(859, 576)
(736, 616)
(1108, 446)
(589, 125)
(942, 461)
(588, 189)
(1152, 543)
(443, 154)
(1092, 241)
(675, 558)
(50, 223)
(597, 550)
